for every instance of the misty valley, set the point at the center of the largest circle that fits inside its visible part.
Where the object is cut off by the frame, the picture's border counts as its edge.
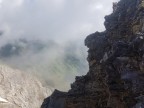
(55, 63)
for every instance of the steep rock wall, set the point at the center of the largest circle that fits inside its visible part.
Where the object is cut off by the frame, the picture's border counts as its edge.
(116, 62)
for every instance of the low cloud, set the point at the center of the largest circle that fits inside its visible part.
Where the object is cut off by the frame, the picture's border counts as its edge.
(46, 37)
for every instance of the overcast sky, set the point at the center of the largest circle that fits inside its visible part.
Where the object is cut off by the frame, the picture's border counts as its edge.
(59, 20)
(52, 19)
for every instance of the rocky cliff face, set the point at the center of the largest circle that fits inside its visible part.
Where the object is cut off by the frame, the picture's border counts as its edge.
(116, 62)
(20, 90)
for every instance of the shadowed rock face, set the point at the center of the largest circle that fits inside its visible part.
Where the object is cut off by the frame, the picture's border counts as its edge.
(56, 100)
(116, 63)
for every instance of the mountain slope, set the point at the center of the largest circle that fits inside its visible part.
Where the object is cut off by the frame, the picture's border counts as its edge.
(20, 90)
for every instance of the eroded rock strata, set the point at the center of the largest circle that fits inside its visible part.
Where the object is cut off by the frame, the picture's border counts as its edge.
(116, 63)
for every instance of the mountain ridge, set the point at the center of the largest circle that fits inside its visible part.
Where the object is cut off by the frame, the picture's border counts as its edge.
(116, 63)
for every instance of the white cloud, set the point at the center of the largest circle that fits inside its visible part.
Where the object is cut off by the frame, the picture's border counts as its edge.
(1, 1)
(11, 3)
(18, 2)
(59, 2)
(99, 6)
(95, 7)
(58, 19)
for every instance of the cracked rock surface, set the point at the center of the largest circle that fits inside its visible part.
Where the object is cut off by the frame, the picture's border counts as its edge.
(20, 90)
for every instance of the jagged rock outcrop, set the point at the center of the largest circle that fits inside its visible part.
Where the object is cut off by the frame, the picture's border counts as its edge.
(56, 100)
(20, 90)
(116, 62)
